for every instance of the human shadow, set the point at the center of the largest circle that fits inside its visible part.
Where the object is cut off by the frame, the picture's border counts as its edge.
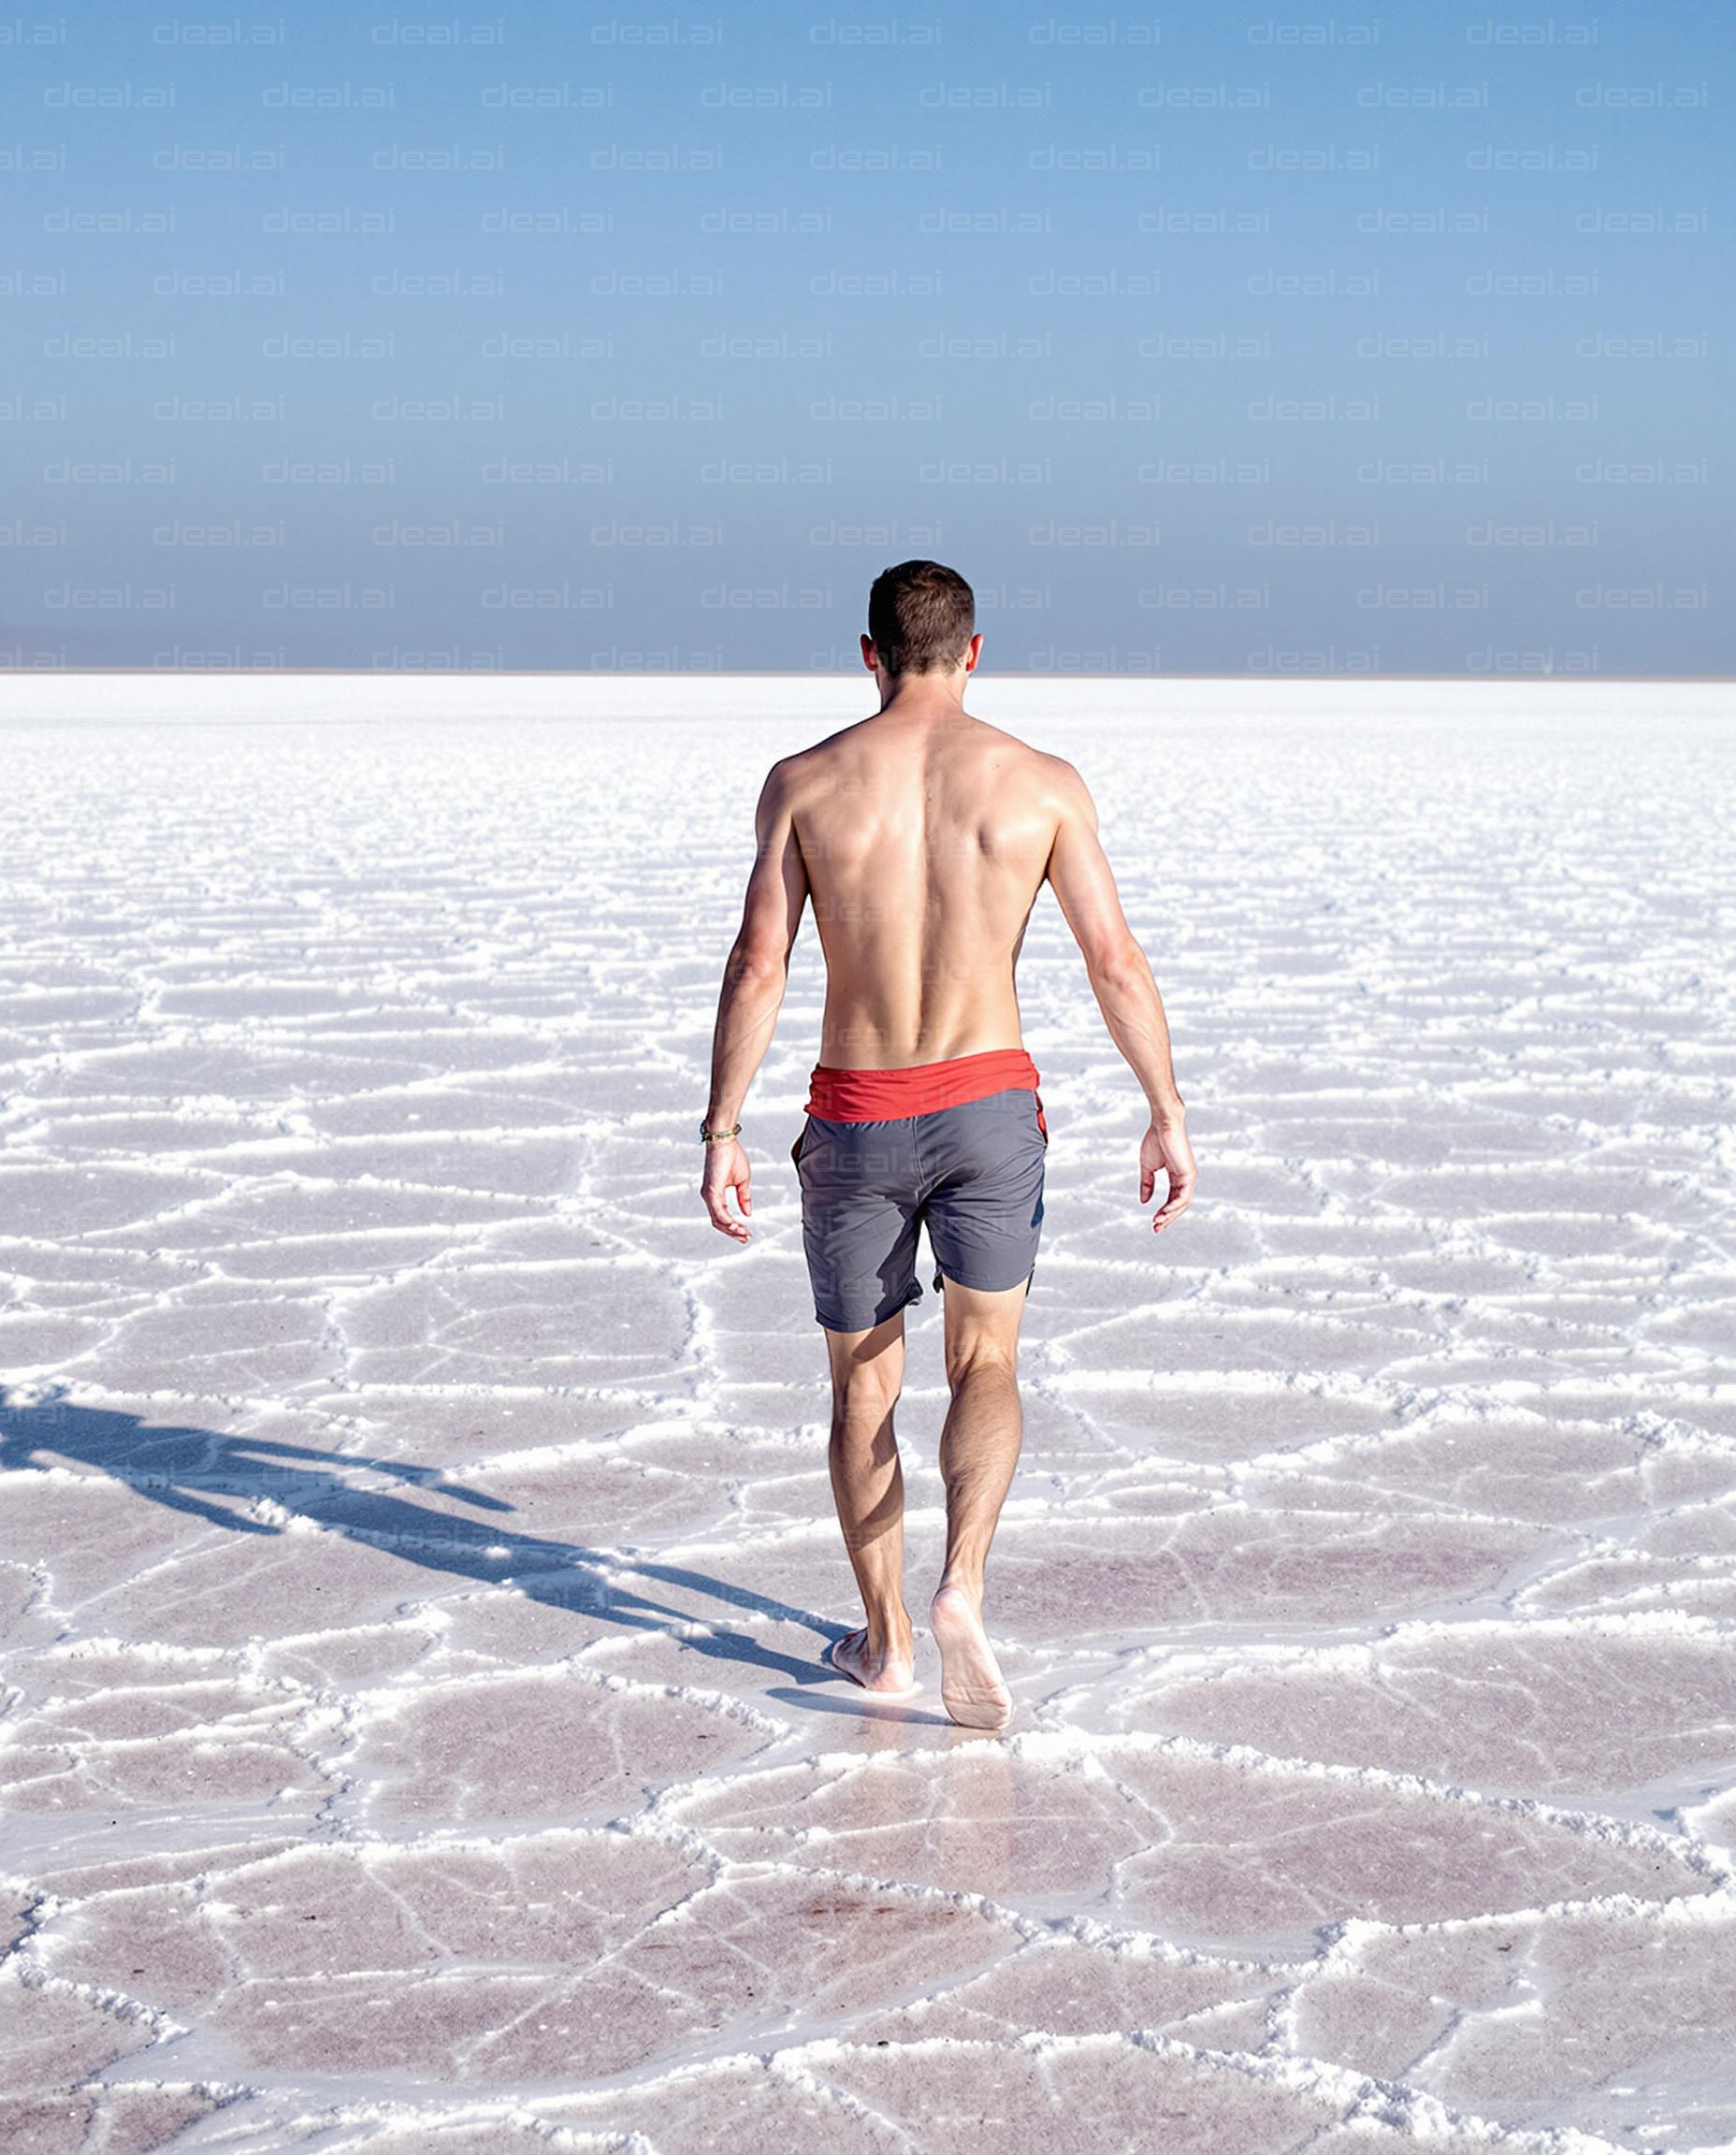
(186, 1469)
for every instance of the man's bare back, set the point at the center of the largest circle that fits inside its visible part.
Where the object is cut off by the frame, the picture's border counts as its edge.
(925, 837)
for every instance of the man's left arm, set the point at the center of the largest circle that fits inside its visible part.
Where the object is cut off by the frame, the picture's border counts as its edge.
(755, 976)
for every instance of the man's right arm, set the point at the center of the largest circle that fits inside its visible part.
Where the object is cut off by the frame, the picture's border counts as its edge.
(1121, 980)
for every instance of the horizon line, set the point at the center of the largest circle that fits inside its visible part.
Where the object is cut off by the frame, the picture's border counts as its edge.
(791, 673)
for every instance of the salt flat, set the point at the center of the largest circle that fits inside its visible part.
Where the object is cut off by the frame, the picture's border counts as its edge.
(415, 1540)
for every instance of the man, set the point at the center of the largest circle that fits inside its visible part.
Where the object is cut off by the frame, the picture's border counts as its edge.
(922, 837)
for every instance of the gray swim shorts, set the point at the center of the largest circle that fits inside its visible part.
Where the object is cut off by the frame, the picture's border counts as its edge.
(973, 1172)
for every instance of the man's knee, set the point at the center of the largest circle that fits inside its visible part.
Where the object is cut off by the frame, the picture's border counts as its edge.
(973, 1354)
(865, 1388)
(864, 1398)
(982, 1330)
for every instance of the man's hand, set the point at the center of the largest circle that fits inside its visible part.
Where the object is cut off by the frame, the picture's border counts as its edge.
(1164, 1149)
(726, 1169)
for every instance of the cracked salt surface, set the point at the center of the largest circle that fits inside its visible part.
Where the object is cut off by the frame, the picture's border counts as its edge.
(415, 1539)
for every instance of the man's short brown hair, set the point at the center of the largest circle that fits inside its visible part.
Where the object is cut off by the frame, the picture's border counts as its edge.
(921, 617)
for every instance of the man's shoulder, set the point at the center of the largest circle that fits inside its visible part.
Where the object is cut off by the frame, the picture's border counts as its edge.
(1053, 775)
(788, 771)
(800, 783)
(817, 753)
(1012, 750)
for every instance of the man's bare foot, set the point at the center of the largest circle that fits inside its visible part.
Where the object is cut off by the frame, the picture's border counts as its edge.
(888, 1675)
(971, 1686)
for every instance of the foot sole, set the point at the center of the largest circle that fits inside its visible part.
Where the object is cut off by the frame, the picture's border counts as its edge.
(831, 1658)
(972, 1688)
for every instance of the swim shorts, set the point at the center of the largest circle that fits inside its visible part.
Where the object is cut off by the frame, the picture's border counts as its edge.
(959, 1145)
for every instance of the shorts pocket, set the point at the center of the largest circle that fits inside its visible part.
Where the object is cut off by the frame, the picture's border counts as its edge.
(795, 1150)
(1041, 1124)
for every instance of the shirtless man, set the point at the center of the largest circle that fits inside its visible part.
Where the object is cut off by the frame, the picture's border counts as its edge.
(922, 837)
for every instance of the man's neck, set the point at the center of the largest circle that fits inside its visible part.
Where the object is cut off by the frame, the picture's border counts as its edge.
(929, 695)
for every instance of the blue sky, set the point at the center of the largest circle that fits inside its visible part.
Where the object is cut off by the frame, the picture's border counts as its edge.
(1225, 342)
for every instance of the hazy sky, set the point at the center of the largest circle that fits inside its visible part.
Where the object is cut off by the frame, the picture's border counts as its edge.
(1208, 341)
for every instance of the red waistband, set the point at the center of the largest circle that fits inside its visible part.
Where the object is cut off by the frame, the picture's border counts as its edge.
(882, 1095)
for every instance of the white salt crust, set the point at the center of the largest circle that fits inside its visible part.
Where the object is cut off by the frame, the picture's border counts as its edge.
(416, 1546)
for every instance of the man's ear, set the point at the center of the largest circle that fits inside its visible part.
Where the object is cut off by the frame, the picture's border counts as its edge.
(868, 653)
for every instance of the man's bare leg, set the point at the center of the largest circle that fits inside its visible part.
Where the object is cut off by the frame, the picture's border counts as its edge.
(868, 1488)
(979, 1451)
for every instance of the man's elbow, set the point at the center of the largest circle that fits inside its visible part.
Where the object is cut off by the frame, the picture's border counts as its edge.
(757, 961)
(1117, 964)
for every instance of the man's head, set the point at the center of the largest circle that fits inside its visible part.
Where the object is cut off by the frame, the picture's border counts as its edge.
(922, 619)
